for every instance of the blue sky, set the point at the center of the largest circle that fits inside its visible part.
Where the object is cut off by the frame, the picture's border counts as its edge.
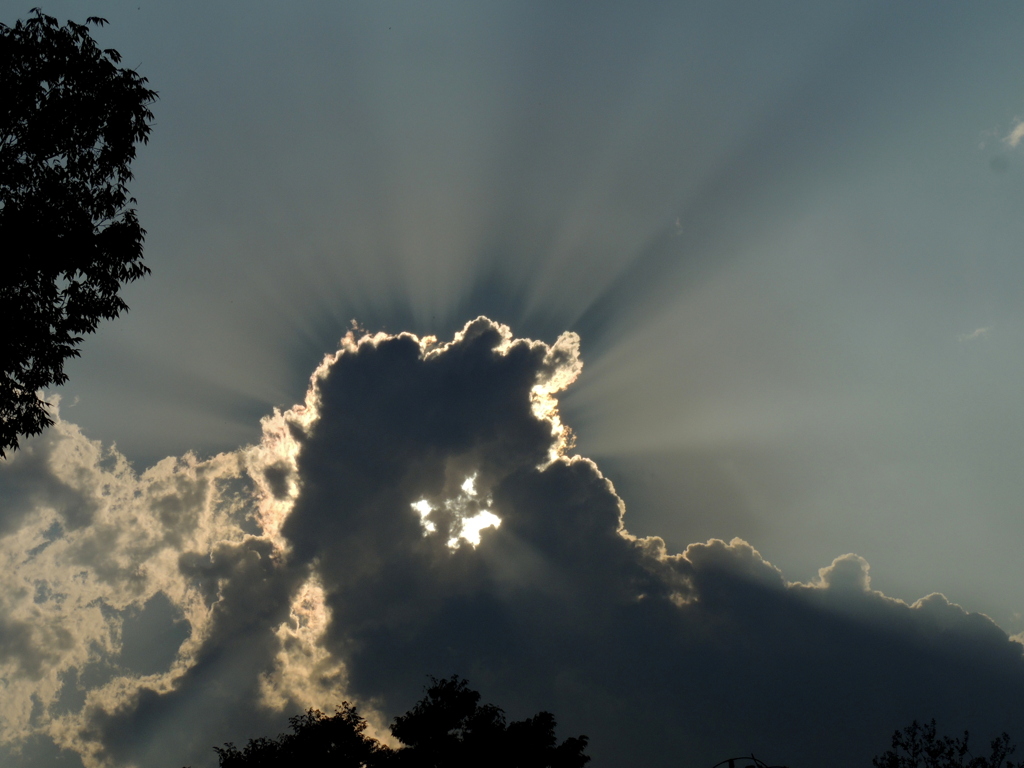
(786, 235)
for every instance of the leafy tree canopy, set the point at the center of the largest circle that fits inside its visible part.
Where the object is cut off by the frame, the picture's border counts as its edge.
(316, 740)
(70, 120)
(448, 728)
(919, 746)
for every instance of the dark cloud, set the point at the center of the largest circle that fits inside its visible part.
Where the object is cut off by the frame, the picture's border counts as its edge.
(344, 557)
(711, 650)
(247, 589)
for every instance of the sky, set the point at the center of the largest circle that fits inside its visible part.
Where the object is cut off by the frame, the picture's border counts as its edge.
(714, 306)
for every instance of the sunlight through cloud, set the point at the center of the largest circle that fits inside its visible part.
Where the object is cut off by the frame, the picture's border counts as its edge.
(468, 514)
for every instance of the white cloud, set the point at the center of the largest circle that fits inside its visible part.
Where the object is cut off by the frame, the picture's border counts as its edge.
(1016, 134)
(94, 541)
(977, 333)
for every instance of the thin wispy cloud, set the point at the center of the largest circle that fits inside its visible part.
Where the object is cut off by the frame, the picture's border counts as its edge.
(977, 333)
(1016, 134)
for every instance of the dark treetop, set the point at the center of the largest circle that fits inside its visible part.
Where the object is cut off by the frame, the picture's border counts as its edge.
(70, 119)
(448, 728)
(920, 746)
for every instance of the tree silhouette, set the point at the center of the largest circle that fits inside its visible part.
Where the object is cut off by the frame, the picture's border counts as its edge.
(447, 728)
(70, 119)
(316, 740)
(744, 761)
(918, 746)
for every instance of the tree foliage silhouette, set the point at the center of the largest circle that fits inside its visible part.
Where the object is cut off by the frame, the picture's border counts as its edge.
(70, 120)
(450, 728)
(316, 739)
(918, 746)
(447, 728)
